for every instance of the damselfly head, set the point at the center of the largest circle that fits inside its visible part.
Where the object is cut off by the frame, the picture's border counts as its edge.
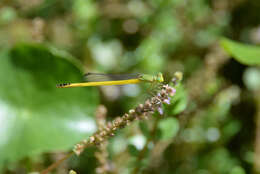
(160, 77)
(62, 85)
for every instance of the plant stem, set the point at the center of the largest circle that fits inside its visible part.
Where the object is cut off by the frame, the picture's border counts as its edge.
(143, 151)
(257, 137)
(57, 163)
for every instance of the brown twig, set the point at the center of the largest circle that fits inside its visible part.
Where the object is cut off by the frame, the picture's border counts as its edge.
(257, 137)
(102, 154)
(56, 164)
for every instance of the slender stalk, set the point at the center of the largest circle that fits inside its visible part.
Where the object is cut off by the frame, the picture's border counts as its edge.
(102, 155)
(145, 148)
(257, 138)
(56, 164)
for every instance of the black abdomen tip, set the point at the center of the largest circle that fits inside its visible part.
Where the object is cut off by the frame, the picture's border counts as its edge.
(62, 85)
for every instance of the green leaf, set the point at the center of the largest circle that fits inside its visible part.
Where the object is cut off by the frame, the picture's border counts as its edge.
(168, 128)
(179, 101)
(35, 116)
(133, 150)
(237, 170)
(230, 129)
(245, 54)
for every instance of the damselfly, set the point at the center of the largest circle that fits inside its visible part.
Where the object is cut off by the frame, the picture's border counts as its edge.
(99, 79)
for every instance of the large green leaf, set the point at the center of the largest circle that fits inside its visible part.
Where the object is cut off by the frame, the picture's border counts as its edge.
(168, 128)
(35, 116)
(245, 54)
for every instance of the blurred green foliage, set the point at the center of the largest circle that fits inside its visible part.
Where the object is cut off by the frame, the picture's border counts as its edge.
(168, 128)
(246, 54)
(209, 127)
